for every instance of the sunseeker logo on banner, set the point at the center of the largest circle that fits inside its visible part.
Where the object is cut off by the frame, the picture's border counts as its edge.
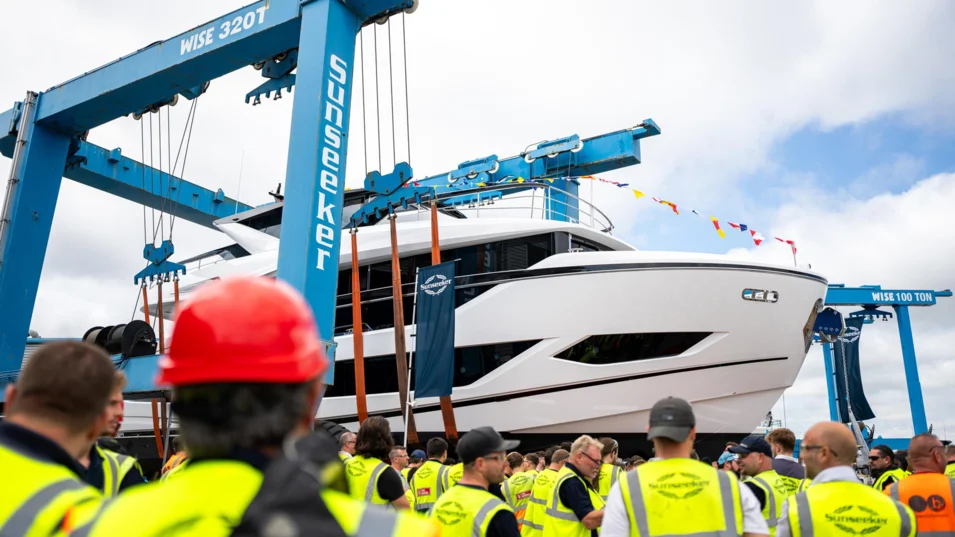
(435, 285)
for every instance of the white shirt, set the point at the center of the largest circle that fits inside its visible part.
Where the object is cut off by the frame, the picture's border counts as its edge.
(829, 475)
(345, 453)
(616, 522)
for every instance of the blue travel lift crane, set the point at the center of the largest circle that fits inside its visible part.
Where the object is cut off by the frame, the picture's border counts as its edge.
(870, 298)
(45, 135)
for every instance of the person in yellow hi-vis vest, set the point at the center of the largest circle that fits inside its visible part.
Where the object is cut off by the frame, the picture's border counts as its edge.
(399, 461)
(53, 415)
(454, 473)
(517, 488)
(837, 503)
(885, 467)
(676, 495)
(246, 398)
(609, 471)
(107, 469)
(574, 508)
(467, 509)
(427, 483)
(536, 516)
(790, 470)
(756, 463)
(370, 478)
(950, 467)
(346, 445)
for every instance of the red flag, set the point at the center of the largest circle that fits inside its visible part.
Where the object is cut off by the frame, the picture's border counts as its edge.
(757, 238)
(716, 224)
(734, 225)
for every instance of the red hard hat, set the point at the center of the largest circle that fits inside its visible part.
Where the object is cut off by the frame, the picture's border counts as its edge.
(243, 329)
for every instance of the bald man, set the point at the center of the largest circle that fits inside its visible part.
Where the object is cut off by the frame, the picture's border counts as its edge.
(836, 499)
(928, 491)
(950, 468)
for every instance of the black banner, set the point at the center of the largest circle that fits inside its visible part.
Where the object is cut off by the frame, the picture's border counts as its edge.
(434, 335)
(846, 358)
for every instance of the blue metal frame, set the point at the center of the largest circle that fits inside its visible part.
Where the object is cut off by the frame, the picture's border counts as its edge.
(871, 297)
(317, 37)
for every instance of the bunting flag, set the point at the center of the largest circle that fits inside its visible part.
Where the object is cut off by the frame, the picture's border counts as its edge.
(638, 194)
(668, 203)
(716, 224)
(757, 238)
(792, 244)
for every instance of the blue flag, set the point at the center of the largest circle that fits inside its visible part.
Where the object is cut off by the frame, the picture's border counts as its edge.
(434, 335)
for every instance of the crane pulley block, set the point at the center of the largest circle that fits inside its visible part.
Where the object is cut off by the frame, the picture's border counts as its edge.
(475, 170)
(279, 72)
(393, 191)
(159, 265)
(553, 148)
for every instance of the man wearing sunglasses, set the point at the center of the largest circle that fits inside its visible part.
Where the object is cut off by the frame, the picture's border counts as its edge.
(837, 503)
(885, 471)
(928, 491)
(467, 508)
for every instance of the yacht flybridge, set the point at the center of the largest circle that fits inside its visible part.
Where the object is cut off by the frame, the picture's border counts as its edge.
(561, 328)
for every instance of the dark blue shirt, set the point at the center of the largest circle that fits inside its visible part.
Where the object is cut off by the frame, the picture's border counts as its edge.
(503, 524)
(573, 494)
(35, 445)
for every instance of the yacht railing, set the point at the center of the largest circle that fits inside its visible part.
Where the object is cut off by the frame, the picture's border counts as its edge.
(522, 200)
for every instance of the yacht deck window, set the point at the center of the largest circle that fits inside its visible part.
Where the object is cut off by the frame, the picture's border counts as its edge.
(381, 373)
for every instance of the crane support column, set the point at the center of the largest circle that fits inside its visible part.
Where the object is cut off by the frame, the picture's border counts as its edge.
(831, 381)
(315, 176)
(919, 422)
(25, 223)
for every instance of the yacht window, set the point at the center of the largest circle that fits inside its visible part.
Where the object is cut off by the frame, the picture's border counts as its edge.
(381, 373)
(375, 279)
(578, 244)
(621, 348)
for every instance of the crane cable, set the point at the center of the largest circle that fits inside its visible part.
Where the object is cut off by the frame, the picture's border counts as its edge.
(160, 416)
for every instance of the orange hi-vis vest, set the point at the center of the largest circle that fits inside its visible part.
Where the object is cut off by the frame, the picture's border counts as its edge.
(931, 497)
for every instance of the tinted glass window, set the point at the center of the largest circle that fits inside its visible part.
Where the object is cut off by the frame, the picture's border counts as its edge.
(381, 373)
(375, 280)
(620, 348)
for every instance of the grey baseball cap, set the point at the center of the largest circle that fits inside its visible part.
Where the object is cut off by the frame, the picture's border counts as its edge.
(671, 418)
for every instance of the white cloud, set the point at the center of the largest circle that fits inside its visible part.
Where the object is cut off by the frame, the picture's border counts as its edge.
(726, 83)
(897, 241)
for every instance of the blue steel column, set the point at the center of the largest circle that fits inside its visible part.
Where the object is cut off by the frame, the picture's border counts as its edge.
(315, 176)
(911, 370)
(39, 171)
(564, 207)
(830, 381)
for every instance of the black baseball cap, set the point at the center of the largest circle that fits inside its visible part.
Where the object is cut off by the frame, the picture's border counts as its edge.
(671, 418)
(481, 442)
(753, 443)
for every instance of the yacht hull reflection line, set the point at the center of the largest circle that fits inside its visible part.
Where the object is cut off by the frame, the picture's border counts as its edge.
(532, 297)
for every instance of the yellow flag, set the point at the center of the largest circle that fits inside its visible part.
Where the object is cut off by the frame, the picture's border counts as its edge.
(520, 179)
(638, 194)
(716, 224)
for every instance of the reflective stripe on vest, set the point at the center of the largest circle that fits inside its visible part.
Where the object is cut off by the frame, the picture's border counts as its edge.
(931, 518)
(535, 515)
(898, 473)
(726, 495)
(805, 519)
(438, 480)
(776, 493)
(373, 482)
(606, 482)
(376, 523)
(561, 520)
(21, 520)
(461, 505)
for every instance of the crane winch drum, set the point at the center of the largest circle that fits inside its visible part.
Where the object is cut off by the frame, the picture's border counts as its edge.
(135, 338)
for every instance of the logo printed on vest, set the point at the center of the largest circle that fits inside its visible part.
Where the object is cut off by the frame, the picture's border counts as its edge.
(520, 480)
(426, 491)
(425, 473)
(451, 513)
(863, 522)
(934, 502)
(543, 479)
(679, 489)
(522, 495)
(355, 469)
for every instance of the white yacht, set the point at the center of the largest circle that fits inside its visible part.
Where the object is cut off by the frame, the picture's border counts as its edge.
(561, 328)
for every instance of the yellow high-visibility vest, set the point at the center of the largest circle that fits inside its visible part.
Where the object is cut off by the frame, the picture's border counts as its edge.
(561, 520)
(848, 508)
(682, 497)
(466, 512)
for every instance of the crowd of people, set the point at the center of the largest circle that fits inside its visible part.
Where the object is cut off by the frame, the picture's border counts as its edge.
(245, 368)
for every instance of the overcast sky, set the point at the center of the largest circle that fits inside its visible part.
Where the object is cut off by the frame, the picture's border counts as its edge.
(828, 123)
